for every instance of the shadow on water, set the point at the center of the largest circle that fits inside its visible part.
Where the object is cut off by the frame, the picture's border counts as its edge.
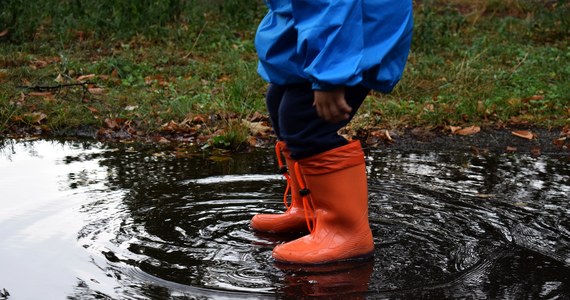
(137, 222)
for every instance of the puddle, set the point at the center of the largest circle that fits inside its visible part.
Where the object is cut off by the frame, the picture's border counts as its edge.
(88, 220)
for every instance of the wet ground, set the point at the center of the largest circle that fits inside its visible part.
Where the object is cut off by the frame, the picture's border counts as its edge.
(84, 220)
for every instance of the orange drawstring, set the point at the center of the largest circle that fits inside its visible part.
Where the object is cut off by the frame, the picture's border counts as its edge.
(307, 204)
(283, 171)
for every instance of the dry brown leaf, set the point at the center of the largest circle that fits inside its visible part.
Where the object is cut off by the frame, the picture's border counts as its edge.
(252, 141)
(525, 134)
(40, 94)
(566, 130)
(382, 134)
(4, 32)
(111, 123)
(115, 74)
(59, 79)
(468, 130)
(39, 64)
(256, 117)
(93, 109)
(163, 140)
(511, 149)
(533, 98)
(199, 119)
(36, 117)
(170, 127)
(454, 129)
(96, 91)
(257, 128)
(85, 77)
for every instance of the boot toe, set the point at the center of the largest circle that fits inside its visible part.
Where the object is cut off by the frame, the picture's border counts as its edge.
(279, 223)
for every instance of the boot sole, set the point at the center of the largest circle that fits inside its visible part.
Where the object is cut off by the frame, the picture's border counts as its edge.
(321, 265)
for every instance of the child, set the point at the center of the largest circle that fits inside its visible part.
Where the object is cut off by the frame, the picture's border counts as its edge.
(322, 58)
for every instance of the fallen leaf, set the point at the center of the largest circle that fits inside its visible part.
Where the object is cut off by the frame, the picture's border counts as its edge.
(40, 94)
(252, 141)
(111, 123)
(17, 118)
(103, 131)
(199, 119)
(383, 134)
(59, 79)
(93, 109)
(533, 98)
(36, 117)
(257, 128)
(565, 130)
(163, 140)
(454, 129)
(4, 32)
(85, 77)
(468, 130)
(525, 134)
(39, 64)
(257, 116)
(224, 78)
(115, 74)
(96, 91)
(170, 127)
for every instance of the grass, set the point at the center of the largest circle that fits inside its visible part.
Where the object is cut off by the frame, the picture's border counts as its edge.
(485, 62)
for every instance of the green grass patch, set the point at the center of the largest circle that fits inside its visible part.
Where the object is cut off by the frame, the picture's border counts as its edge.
(484, 63)
(66, 64)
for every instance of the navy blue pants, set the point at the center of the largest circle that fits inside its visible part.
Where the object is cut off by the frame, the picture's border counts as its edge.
(295, 119)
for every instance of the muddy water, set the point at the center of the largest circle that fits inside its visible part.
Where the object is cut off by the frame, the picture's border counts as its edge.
(94, 221)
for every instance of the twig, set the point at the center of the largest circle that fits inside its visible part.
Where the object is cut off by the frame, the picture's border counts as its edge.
(53, 87)
(196, 40)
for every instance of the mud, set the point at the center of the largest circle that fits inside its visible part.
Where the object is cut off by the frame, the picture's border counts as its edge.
(486, 141)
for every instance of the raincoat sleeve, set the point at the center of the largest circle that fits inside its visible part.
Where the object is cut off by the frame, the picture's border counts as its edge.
(330, 41)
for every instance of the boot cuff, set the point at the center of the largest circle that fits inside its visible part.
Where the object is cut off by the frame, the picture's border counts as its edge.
(333, 160)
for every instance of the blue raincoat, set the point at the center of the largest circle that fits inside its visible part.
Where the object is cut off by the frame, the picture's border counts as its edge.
(335, 43)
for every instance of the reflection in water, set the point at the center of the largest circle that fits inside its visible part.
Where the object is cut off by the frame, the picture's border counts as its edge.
(140, 222)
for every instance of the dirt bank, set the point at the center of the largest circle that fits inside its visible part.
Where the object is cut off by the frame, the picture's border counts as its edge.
(544, 141)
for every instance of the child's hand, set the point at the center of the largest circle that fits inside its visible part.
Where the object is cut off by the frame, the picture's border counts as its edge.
(331, 105)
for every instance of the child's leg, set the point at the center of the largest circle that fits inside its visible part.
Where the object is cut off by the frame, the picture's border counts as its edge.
(273, 101)
(305, 133)
(332, 181)
(293, 219)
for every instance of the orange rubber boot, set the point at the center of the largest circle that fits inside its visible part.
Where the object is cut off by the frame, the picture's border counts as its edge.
(293, 219)
(334, 187)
